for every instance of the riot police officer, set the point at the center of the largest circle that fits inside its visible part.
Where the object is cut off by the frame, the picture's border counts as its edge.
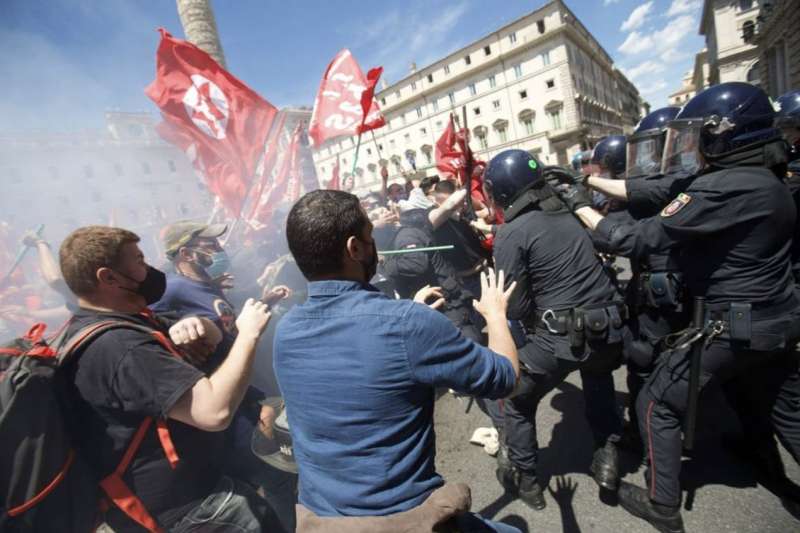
(655, 294)
(571, 312)
(735, 224)
(788, 121)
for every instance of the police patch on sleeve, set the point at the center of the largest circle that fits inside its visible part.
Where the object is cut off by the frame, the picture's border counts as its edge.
(676, 205)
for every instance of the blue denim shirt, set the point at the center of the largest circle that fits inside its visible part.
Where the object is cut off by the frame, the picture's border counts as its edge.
(358, 372)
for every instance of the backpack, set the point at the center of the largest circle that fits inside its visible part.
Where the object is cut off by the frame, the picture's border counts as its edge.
(44, 484)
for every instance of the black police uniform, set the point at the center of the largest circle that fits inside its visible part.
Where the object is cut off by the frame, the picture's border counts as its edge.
(735, 229)
(656, 300)
(574, 320)
(412, 271)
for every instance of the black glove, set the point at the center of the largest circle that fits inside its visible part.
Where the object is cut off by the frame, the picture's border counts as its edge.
(575, 196)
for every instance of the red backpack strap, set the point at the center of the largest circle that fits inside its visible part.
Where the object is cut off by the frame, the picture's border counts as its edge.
(120, 494)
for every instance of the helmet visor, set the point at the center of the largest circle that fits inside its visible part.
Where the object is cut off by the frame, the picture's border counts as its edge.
(682, 148)
(644, 155)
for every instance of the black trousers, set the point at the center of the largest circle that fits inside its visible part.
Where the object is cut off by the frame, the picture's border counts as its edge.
(544, 371)
(768, 389)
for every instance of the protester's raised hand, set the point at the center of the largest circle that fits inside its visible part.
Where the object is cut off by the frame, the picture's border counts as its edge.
(426, 293)
(253, 319)
(273, 295)
(494, 300)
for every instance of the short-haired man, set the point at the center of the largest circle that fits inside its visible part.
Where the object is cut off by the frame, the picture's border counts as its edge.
(358, 371)
(125, 376)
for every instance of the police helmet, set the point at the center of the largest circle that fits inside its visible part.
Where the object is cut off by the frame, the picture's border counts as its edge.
(646, 144)
(717, 123)
(581, 159)
(608, 157)
(509, 174)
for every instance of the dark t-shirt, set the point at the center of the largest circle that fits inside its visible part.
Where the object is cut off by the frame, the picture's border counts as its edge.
(120, 378)
(188, 297)
(468, 250)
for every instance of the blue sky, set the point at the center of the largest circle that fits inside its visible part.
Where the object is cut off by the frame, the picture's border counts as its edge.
(64, 62)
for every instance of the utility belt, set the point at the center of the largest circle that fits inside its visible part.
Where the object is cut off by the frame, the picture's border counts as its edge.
(595, 322)
(736, 318)
(661, 290)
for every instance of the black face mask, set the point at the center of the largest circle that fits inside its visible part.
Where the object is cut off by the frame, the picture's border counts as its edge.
(152, 287)
(370, 266)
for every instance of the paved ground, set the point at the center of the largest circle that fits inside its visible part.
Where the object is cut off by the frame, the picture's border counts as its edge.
(723, 495)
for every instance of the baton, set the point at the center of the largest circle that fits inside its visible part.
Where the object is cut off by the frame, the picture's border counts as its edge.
(21, 255)
(412, 250)
(698, 319)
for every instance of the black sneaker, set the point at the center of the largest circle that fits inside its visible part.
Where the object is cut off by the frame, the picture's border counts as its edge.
(635, 500)
(523, 485)
(605, 466)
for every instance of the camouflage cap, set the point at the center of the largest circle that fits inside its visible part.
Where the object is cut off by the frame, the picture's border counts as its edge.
(180, 233)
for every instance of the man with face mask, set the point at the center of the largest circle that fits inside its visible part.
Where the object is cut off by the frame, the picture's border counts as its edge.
(735, 224)
(201, 272)
(358, 372)
(125, 376)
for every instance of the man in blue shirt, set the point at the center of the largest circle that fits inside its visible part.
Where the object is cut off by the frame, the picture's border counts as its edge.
(358, 371)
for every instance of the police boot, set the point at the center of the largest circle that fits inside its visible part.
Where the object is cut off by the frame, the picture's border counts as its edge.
(522, 484)
(605, 466)
(664, 518)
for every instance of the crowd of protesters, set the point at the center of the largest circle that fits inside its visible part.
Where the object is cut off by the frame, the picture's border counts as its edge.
(288, 383)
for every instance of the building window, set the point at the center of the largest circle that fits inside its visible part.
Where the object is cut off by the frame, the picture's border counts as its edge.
(397, 94)
(753, 76)
(744, 5)
(380, 147)
(145, 167)
(447, 69)
(550, 84)
(383, 101)
(540, 25)
(482, 142)
(391, 143)
(487, 50)
(472, 90)
(423, 131)
(546, 58)
(502, 134)
(435, 105)
(523, 94)
(492, 81)
(413, 86)
(555, 119)
(407, 138)
(419, 112)
(430, 78)
(467, 60)
(402, 120)
(496, 105)
(527, 123)
(369, 151)
(88, 171)
(477, 111)
(512, 37)
(518, 71)
(171, 166)
(452, 98)
(748, 31)
(438, 125)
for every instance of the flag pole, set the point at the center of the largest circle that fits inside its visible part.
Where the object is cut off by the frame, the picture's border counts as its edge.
(355, 158)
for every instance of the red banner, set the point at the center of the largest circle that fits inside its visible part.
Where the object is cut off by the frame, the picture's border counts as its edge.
(338, 108)
(225, 119)
(449, 158)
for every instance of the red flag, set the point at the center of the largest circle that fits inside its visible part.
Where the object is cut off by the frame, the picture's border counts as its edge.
(338, 108)
(225, 119)
(284, 186)
(334, 183)
(265, 168)
(449, 159)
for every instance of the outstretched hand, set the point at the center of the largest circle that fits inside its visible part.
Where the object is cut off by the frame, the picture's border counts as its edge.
(494, 300)
(427, 292)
